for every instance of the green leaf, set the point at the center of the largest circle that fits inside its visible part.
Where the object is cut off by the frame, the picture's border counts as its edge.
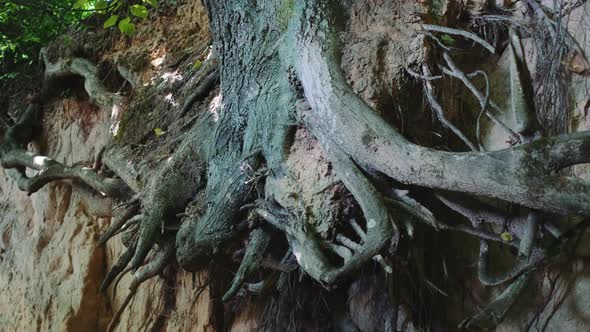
(197, 64)
(111, 21)
(115, 4)
(506, 236)
(159, 132)
(101, 5)
(127, 27)
(447, 39)
(153, 3)
(81, 4)
(139, 11)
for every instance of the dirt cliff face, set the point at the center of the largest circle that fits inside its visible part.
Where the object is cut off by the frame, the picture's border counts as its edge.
(51, 264)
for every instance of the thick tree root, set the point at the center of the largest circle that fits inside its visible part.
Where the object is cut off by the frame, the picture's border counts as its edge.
(152, 269)
(378, 221)
(308, 248)
(119, 223)
(97, 92)
(51, 170)
(118, 268)
(495, 311)
(198, 241)
(252, 260)
(523, 174)
(355, 139)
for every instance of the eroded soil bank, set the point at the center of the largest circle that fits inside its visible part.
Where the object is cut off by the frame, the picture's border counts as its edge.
(51, 264)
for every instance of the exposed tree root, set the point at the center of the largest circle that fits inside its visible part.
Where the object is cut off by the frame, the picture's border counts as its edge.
(252, 260)
(523, 265)
(118, 268)
(202, 90)
(495, 311)
(51, 170)
(118, 223)
(308, 248)
(152, 269)
(15, 157)
(198, 241)
(522, 175)
(466, 34)
(440, 113)
(522, 91)
(97, 92)
(478, 214)
(13, 154)
(226, 156)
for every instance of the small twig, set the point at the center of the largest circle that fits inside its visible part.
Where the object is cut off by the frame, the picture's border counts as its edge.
(481, 234)
(484, 109)
(423, 77)
(438, 111)
(466, 34)
(456, 72)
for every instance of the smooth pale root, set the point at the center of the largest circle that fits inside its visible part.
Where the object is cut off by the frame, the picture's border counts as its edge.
(522, 175)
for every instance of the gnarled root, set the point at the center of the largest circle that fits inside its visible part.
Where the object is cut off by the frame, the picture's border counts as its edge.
(51, 170)
(14, 157)
(97, 92)
(118, 268)
(523, 174)
(149, 230)
(308, 248)
(198, 241)
(495, 311)
(252, 260)
(119, 223)
(13, 153)
(378, 222)
(156, 266)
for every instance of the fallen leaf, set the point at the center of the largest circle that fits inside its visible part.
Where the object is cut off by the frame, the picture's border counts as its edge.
(506, 236)
(159, 132)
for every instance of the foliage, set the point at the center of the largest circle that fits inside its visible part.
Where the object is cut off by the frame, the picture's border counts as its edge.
(28, 25)
(117, 9)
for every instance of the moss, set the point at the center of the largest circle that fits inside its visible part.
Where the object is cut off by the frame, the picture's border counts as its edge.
(437, 9)
(368, 137)
(284, 14)
(132, 126)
